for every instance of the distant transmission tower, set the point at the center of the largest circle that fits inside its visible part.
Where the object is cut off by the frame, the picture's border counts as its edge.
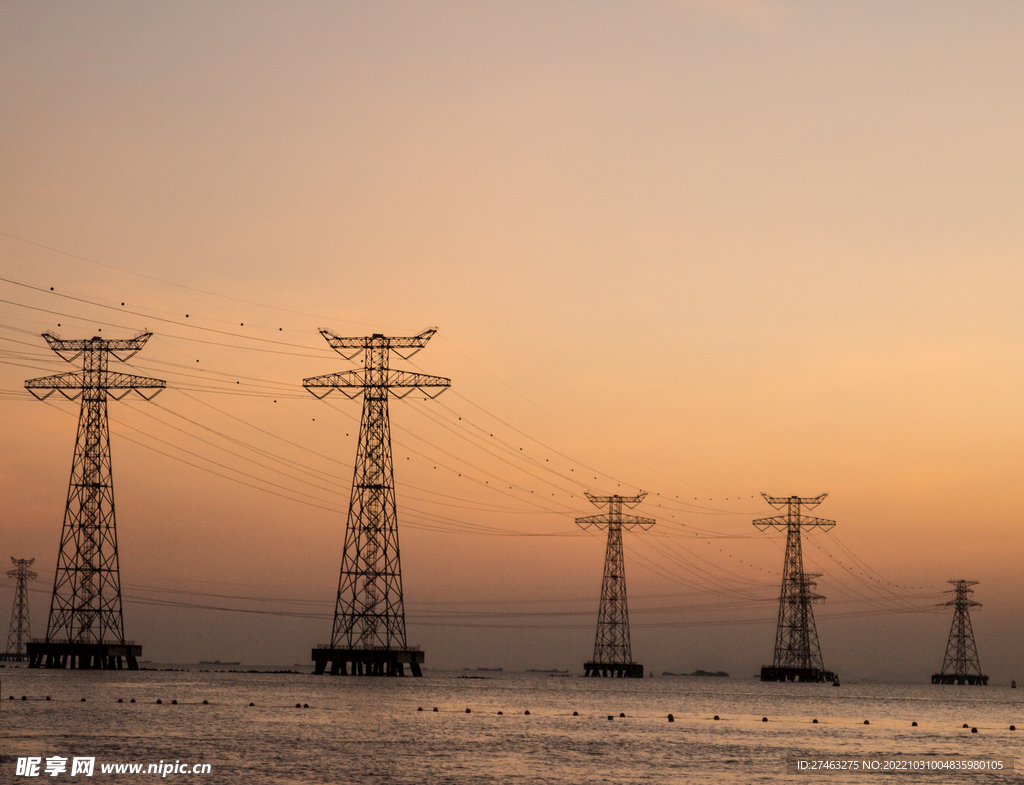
(961, 665)
(19, 632)
(369, 617)
(86, 628)
(797, 652)
(613, 655)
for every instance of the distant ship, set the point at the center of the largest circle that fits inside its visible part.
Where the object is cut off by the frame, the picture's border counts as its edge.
(217, 662)
(541, 670)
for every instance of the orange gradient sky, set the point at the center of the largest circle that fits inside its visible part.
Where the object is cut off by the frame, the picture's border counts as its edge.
(703, 249)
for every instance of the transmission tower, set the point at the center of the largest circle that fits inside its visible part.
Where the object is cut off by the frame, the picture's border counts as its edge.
(86, 628)
(19, 632)
(613, 655)
(797, 652)
(369, 617)
(961, 665)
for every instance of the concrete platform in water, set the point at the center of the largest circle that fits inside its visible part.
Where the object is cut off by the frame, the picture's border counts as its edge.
(367, 662)
(84, 656)
(616, 670)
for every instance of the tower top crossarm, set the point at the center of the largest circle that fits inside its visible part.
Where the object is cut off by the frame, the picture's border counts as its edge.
(793, 516)
(404, 347)
(376, 374)
(961, 590)
(94, 375)
(614, 514)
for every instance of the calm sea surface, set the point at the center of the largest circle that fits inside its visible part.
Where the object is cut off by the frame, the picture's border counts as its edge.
(369, 730)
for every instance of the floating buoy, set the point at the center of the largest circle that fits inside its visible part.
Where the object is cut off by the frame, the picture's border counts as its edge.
(575, 714)
(119, 700)
(501, 713)
(717, 717)
(974, 730)
(764, 719)
(420, 708)
(158, 701)
(174, 703)
(622, 715)
(966, 725)
(671, 718)
(467, 711)
(133, 701)
(25, 699)
(83, 700)
(305, 705)
(206, 703)
(1013, 684)
(435, 708)
(814, 721)
(610, 717)
(298, 705)
(47, 697)
(913, 725)
(527, 712)
(866, 722)
(1013, 727)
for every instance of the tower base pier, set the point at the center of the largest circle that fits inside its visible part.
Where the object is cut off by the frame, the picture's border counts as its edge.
(952, 678)
(771, 673)
(84, 656)
(367, 662)
(614, 670)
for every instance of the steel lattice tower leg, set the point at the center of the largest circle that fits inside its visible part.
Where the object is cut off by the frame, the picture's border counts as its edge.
(613, 655)
(86, 625)
(19, 632)
(961, 664)
(368, 636)
(797, 651)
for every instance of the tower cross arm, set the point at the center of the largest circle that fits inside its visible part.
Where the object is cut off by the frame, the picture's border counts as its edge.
(782, 521)
(626, 521)
(806, 501)
(75, 382)
(358, 380)
(123, 349)
(626, 501)
(349, 347)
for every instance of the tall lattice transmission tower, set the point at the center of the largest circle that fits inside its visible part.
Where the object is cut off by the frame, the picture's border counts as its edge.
(368, 637)
(86, 626)
(961, 664)
(19, 630)
(797, 651)
(613, 655)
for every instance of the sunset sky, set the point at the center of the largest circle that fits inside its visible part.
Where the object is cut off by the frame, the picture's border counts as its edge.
(700, 249)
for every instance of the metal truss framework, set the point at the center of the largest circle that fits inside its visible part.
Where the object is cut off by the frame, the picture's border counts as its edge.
(19, 631)
(613, 654)
(961, 664)
(797, 651)
(85, 610)
(369, 614)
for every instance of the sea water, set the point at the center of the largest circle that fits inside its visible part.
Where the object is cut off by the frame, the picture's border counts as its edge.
(372, 729)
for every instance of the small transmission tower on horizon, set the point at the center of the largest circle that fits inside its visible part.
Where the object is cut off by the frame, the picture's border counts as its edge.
(86, 627)
(613, 655)
(19, 632)
(797, 651)
(369, 617)
(961, 664)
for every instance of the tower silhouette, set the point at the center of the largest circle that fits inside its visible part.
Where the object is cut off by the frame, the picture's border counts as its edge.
(961, 665)
(797, 651)
(19, 630)
(86, 627)
(368, 637)
(613, 654)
